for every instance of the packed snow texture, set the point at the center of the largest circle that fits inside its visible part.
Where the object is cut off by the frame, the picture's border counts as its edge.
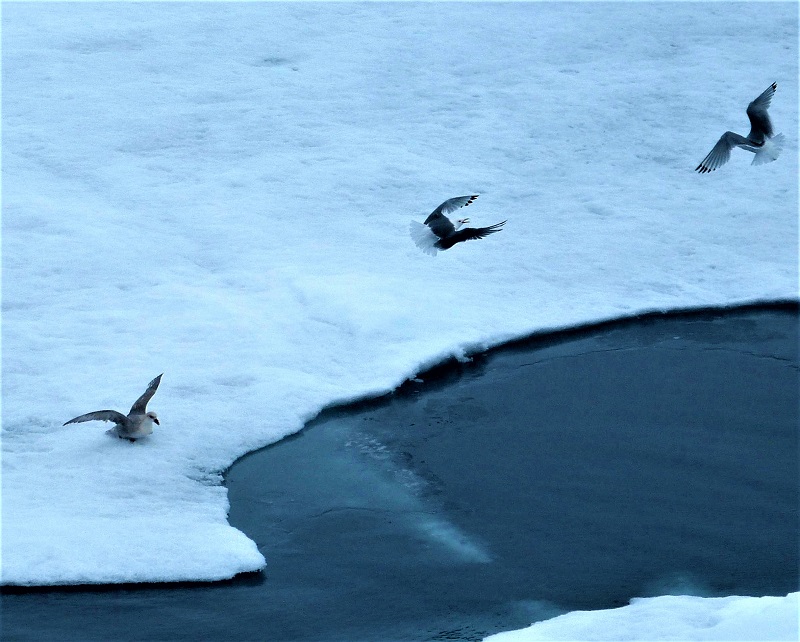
(678, 617)
(223, 192)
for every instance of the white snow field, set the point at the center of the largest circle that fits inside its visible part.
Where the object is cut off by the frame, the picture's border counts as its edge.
(673, 617)
(222, 192)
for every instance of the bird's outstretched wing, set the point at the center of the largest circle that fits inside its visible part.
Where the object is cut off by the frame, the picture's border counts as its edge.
(439, 223)
(721, 152)
(140, 406)
(469, 233)
(760, 124)
(452, 204)
(100, 415)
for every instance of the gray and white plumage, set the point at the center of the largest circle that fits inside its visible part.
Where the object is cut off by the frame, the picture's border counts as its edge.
(439, 233)
(138, 423)
(761, 140)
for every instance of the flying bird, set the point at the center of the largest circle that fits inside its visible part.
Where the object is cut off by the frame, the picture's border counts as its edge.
(438, 231)
(761, 140)
(138, 423)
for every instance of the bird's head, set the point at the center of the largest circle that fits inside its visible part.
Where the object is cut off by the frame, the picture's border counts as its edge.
(461, 221)
(153, 417)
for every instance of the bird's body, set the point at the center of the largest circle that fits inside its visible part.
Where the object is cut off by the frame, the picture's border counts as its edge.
(439, 233)
(137, 424)
(761, 140)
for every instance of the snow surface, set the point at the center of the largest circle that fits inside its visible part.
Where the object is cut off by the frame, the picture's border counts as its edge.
(678, 617)
(222, 192)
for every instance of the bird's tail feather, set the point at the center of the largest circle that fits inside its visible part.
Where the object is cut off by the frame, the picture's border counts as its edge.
(423, 237)
(770, 150)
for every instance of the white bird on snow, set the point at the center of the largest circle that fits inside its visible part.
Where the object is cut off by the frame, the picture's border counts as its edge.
(138, 423)
(438, 231)
(761, 140)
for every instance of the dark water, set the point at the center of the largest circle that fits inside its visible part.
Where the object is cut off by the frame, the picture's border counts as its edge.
(571, 472)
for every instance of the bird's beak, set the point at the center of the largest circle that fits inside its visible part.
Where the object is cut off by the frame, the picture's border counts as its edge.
(158, 423)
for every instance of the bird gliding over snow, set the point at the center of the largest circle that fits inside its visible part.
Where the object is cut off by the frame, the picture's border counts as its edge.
(138, 423)
(761, 140)
(439, 233)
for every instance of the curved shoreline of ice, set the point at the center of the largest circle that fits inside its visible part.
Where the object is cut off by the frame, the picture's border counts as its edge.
(463, 354)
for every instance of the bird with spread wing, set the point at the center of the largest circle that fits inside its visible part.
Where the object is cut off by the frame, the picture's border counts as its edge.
(761, 140)
(439, 233)
(138, 423)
